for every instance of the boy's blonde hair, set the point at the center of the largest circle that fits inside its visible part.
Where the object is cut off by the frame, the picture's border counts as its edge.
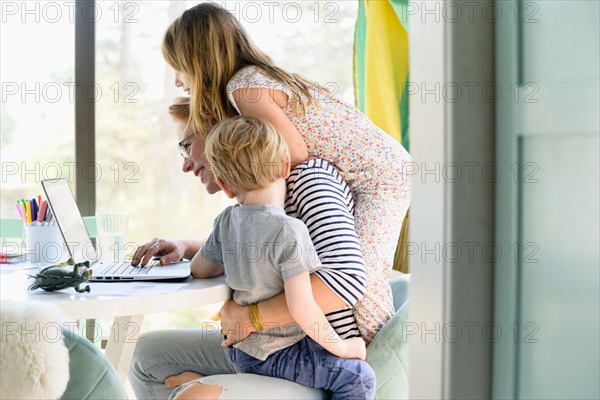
(209, 45)
(246, 153)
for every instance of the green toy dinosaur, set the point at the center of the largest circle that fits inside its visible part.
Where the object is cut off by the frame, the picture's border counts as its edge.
(57, 277)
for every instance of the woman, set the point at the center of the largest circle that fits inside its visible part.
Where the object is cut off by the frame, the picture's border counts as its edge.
(179, 356)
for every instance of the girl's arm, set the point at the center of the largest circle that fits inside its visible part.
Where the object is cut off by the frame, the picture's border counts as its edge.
(307, 313)
(259, 103)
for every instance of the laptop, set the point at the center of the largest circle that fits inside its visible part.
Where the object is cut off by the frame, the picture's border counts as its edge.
(80, 247)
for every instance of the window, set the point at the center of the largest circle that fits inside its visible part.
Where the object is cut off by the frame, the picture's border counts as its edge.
(138, 167)
(135, 139)
(37, 110)
(136, 146)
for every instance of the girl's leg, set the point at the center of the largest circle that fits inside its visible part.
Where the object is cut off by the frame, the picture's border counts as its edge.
(378, 217)
(161, 354)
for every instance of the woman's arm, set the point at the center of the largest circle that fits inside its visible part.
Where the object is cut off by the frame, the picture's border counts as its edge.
(260, 104)
(168, 250)
(273, 312)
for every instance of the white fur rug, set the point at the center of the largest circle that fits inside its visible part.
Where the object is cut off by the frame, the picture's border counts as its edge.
(34, 362)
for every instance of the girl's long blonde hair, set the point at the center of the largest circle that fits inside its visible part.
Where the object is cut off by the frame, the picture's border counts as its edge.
(209, 45)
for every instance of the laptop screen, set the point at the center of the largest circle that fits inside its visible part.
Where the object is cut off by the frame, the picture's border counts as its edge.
(67, 216)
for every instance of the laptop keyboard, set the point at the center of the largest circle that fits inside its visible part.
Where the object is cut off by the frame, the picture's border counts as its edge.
(125, 268)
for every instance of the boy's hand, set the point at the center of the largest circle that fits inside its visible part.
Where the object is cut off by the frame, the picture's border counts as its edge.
(354, 348)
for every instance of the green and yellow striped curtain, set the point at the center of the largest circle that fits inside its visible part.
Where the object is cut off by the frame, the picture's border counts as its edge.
(381, 76)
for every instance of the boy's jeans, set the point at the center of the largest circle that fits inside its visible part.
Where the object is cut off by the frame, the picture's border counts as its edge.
(308, 363)
(160, 354)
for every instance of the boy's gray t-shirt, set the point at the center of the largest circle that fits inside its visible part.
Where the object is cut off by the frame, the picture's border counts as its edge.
(261, 247)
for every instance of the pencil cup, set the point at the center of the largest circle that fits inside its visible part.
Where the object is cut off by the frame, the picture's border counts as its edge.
(112, 235)
(44, 244)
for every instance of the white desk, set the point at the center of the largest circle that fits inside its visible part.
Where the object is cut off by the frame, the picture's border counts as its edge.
(127, 311)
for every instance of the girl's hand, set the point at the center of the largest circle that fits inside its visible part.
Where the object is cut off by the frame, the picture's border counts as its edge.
(168, 250)
(236, 324)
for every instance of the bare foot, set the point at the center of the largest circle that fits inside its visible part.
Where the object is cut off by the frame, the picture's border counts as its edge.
(177, 380)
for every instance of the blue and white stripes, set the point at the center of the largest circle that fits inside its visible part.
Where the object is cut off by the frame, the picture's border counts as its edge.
(317, 195)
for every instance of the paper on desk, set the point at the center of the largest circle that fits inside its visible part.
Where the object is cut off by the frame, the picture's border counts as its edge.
(125, 289)
(133, 288)
(18, 267)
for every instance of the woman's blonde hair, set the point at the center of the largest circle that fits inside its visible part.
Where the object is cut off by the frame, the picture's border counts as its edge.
(180, 111)
(247, 153)
(209, 45)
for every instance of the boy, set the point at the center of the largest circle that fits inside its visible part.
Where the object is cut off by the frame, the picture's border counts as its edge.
(263, 252)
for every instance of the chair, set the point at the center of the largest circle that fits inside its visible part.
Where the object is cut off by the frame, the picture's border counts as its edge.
(387, 355)
(91, 374)
(42, 358)
(12, 228)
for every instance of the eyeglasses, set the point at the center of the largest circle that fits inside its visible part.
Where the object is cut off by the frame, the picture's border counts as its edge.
(184, 147)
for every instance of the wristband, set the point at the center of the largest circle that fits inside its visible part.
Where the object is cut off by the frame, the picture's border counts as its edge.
(255, 317)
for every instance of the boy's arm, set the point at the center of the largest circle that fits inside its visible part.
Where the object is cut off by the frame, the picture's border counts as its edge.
(203, 268)
(208, 261)
(307, 313)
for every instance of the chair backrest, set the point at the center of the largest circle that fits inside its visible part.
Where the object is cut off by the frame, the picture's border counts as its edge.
(90, 225)
(12, 228)
(91, 375)
(400, 284)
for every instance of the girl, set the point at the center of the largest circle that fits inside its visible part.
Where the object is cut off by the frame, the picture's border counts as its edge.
(226, 74)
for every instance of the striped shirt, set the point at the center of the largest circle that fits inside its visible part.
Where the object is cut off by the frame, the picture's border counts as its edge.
(318, 196)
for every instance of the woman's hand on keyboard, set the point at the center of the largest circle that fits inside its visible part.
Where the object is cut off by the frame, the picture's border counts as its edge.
(168, 250)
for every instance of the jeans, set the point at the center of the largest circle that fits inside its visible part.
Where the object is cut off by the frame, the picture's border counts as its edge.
(308, 363)
(160, 354)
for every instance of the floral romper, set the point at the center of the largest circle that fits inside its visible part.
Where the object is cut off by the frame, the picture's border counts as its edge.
(373, 165)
